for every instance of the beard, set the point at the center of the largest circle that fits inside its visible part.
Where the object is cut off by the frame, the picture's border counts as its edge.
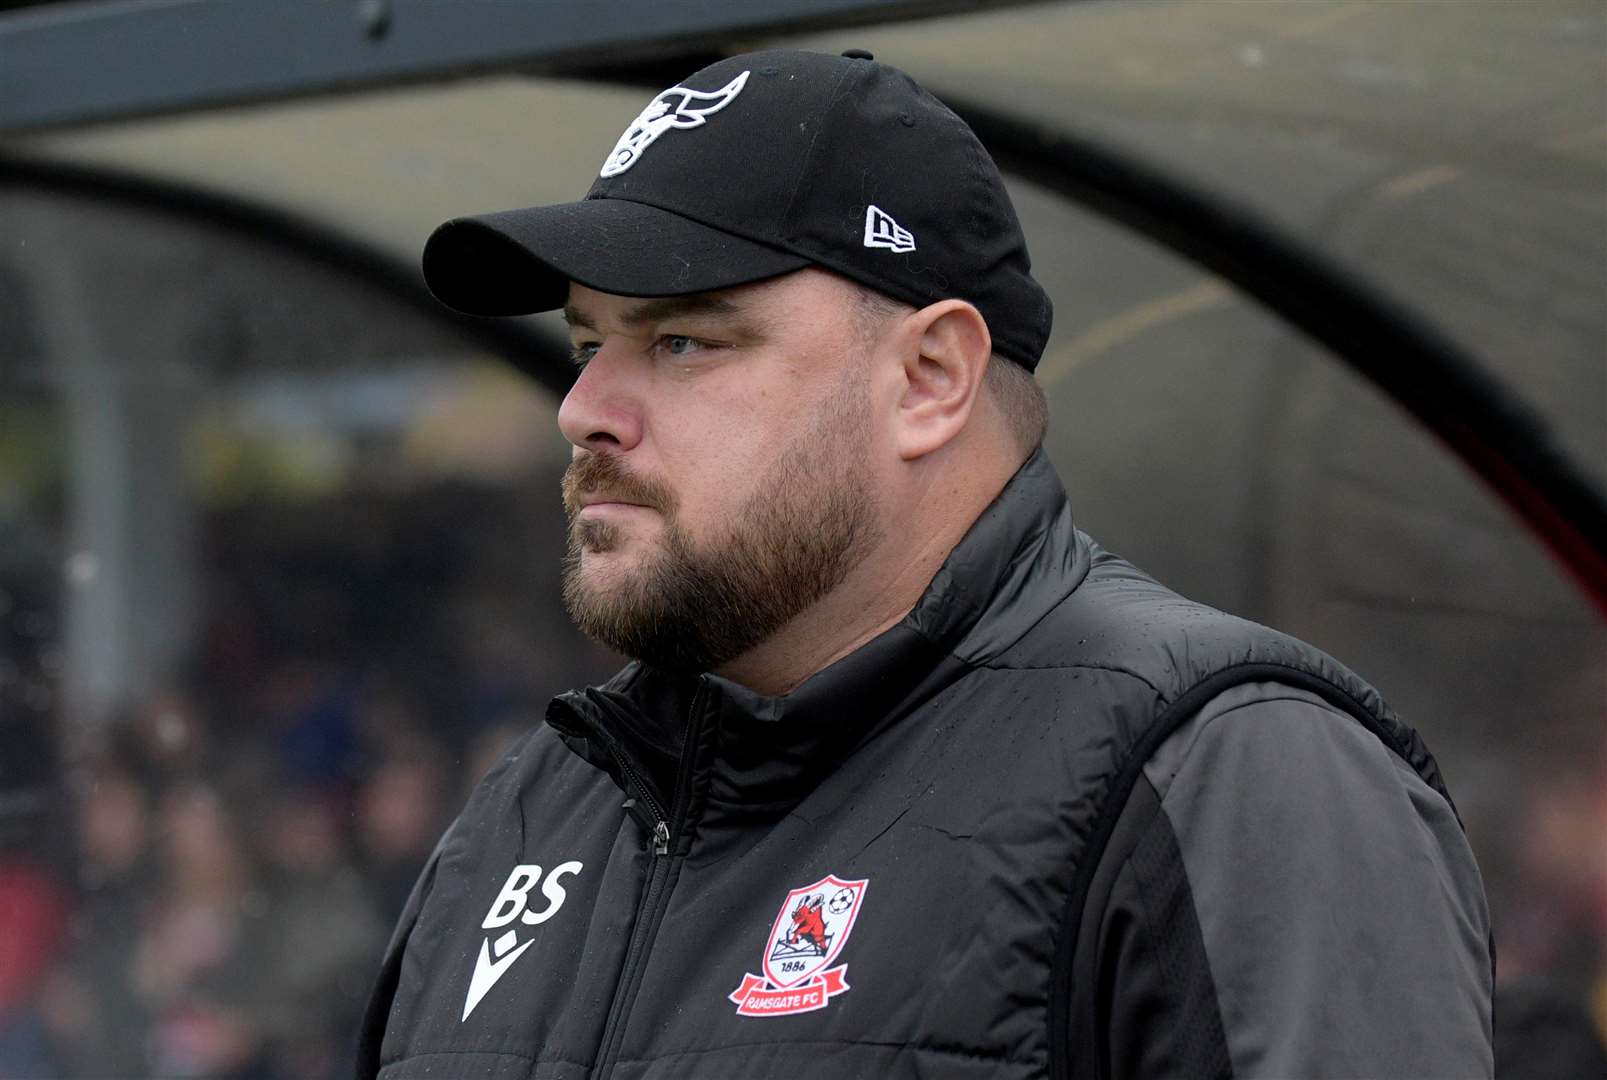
(692, 606)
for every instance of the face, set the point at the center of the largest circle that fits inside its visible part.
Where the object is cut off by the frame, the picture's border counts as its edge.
(721, 481)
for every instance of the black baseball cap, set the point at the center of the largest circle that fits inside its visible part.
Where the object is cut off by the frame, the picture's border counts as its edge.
(755, 166)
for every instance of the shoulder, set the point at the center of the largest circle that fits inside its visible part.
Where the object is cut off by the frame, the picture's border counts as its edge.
(1272, 781)
(536, 769)
(1118, 618)
(526, 758)
(1276, 741)
(1332, 898)
(1266, 766)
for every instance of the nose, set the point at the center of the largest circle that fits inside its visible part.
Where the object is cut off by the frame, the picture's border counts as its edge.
(602, 410)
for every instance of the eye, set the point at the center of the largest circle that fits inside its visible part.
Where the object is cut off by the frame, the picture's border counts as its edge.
(580, 353)
(679, 344)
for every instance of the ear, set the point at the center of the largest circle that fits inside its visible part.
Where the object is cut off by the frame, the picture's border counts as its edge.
(945, 351)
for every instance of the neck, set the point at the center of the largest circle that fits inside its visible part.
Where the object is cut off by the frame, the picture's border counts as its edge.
(937, 508)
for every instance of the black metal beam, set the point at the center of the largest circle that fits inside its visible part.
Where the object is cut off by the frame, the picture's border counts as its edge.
(73, 64)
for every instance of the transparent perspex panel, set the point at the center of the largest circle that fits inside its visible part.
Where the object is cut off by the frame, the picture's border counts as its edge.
(278, 555)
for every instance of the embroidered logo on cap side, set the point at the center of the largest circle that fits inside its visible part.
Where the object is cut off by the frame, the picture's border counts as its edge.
(677, 107)
(809, 933)
(881, 231)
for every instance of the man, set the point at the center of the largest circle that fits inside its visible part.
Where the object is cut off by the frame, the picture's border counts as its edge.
(909, 777)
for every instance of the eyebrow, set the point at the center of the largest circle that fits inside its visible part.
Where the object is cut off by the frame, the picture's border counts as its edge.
(658, 308)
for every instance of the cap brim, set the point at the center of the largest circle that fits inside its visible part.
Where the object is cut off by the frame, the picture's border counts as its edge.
(521, 261)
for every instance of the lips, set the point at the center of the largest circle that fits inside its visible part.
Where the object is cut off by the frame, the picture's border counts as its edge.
(596, 480)
(603, 499)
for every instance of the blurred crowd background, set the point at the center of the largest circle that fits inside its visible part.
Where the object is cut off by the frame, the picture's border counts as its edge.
(202, 885)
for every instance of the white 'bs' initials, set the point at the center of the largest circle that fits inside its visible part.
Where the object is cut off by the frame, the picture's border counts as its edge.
(513, 903)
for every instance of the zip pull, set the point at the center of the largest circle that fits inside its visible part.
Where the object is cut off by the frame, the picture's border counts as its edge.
(661, 838)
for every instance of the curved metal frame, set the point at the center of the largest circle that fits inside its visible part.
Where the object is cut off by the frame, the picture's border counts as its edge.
(543, 356)
(1486, 424)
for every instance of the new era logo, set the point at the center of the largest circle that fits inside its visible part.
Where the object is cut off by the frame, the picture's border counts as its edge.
(881, 231)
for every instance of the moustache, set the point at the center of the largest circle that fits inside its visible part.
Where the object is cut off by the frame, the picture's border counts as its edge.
(605, 476)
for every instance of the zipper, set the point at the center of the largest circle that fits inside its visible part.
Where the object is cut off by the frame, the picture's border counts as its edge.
(660, 881)
(640, 801)
(656, 821)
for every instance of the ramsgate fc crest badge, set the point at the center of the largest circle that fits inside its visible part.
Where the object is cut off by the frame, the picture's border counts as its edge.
(808, 936)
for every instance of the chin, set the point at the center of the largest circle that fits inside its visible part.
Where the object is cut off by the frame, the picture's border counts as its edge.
(607, 570)
(610, 535)
(617, 549)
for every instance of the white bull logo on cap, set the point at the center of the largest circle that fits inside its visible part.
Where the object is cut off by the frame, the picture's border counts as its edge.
(677, 107)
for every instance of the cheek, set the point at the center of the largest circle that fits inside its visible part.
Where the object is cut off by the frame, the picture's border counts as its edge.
(718, 462)
(720, 482)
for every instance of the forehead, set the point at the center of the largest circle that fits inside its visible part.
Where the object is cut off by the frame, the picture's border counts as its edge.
(589, 308)
(804, 294)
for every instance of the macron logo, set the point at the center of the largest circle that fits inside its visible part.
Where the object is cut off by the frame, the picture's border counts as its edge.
(881, 231)
(487, 973)
(513, 903)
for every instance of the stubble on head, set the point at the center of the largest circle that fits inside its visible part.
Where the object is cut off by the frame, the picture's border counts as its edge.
(693, 605)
